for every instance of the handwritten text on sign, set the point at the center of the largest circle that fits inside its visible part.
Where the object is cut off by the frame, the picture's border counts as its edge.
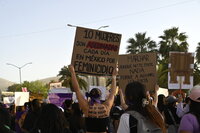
(95, 52)
(138, 67)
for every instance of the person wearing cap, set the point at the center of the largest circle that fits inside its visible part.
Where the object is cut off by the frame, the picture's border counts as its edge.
(190, 123)
(96, 113)
(171, 118)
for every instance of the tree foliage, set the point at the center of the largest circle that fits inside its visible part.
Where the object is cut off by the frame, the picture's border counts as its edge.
(141, 44)
(171, 40)
(197, 57)
(36, 87)
(67, 80)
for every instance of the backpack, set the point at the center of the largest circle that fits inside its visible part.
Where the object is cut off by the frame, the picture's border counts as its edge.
(116, 112)
(139, 124)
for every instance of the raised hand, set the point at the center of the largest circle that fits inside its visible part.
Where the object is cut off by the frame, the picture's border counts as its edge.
(71, 68)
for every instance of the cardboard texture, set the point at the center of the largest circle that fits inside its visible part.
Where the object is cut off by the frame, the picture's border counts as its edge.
(138, 67)
(181, 66)
(95, 52)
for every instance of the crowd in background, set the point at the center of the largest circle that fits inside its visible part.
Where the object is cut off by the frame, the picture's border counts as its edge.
(117, 114)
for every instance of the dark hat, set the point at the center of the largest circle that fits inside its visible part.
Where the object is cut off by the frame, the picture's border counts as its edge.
(171, 99)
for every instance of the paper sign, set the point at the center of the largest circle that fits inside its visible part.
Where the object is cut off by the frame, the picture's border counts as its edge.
(138, 67)
(95, 52)
(8, 100)
(21, 98)
(180, 73)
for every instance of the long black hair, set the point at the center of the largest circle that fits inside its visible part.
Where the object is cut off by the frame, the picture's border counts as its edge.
(51, 120)
(135, 94)
(195, 109)
(161, 104)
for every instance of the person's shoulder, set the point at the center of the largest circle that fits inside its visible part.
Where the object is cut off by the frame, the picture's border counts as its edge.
(189, 116)
(125, 116)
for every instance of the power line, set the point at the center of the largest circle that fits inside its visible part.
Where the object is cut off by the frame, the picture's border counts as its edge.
(137, 13)
(100, 20)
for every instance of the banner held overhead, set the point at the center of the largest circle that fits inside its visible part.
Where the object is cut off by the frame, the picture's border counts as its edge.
(180, 75)
(95, 52)
(138, 67)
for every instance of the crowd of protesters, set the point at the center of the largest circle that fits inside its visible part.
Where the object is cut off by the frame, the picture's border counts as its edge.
(117, 114)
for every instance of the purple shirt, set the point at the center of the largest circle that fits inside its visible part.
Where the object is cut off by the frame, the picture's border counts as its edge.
(189, 123)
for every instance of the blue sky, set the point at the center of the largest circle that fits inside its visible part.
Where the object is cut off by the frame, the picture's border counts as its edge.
(36, 30)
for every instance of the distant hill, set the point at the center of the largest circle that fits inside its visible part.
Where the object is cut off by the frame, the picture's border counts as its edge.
(47, 80)
(5, 83)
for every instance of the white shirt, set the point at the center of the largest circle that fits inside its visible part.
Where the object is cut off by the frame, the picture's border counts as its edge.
(124, 124)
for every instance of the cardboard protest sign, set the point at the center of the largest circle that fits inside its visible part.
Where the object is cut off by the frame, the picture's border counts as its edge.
(21, 98)
(95, 52)
(180, 73)
(138, 67)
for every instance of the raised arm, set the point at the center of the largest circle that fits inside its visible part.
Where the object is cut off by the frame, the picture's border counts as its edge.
(123, 103)
(83, 103)
(111, 96)
(155, 100)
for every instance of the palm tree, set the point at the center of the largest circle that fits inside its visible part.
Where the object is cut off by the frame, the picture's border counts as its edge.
(141, 44)
(196, 66)
(67, 80)
(171, 41)
(198, 53)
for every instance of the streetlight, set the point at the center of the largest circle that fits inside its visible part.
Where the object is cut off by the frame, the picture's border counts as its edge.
(70, 25)
(104, 26)
(19, 68)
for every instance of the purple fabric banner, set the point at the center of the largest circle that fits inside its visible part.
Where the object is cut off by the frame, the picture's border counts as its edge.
(59, 98)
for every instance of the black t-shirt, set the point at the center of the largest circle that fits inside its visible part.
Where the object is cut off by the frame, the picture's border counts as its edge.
(168, 118)
(96, 124)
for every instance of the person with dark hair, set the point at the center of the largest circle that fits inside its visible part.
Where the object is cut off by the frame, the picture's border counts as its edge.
(12, 111)
(76, 120)
(190, 122)
(117, 110)
(5, 121)
(171, 118)
(161, 103)
(139, 112)
(23, 115)
(96, 113)
(31, 116)
(67, 106)
(19, 112)
(51, 120)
